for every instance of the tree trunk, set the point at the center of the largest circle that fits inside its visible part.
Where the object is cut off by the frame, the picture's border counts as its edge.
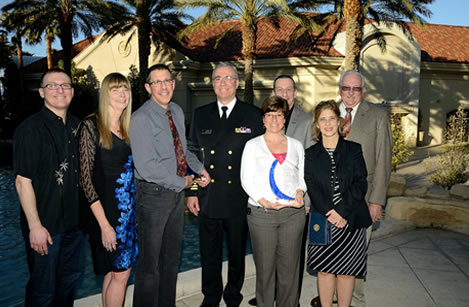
(354, 33)
(144, 46)
(49, 39)
(66, 39)
(249, 29)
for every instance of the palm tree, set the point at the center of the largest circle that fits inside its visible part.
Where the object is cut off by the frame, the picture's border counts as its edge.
(76, 16)
(156, 21)
(38, 21)
(248, 13)
(6, 49)
(354, 13)
(10, 21)
(67, 18)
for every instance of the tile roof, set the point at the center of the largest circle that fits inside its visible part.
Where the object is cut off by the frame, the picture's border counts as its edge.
(439, 43)
(442, 43)
(272, 42)
(77, 48)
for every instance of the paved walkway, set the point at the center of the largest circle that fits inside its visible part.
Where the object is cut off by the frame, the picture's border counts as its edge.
(414, 170)
(422, 267)
(407, 267)
(413, 268)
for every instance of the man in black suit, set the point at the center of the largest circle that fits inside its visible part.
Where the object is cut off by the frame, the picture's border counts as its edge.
(221, 129)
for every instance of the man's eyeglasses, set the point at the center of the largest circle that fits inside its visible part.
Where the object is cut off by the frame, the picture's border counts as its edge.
(54, 86)
(226, 78)
(159, 83)
(355, 89)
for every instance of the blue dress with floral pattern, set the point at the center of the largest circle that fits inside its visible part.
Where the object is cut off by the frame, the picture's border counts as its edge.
(107, 175)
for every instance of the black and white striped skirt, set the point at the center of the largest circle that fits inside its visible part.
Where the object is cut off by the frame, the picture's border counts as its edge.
(346, 255)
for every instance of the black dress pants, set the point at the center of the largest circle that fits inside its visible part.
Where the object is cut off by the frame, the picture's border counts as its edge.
(212, 232)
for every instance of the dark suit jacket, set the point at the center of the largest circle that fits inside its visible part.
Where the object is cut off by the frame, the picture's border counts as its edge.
(222, 143)
(351, 174)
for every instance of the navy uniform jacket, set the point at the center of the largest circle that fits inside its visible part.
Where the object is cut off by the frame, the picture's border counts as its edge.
(222, 144)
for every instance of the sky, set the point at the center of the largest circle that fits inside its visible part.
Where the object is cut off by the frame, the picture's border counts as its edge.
(447, 12)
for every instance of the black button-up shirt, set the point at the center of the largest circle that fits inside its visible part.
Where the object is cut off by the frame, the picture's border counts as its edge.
(45, 150)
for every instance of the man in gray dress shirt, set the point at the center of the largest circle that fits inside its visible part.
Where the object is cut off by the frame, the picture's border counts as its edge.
(159, 150)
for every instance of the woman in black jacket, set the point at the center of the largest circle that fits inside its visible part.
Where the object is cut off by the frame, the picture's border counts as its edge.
(335, 175)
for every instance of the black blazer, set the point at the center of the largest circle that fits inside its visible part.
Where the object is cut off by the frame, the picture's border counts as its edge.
(222, 143)
(351, 173)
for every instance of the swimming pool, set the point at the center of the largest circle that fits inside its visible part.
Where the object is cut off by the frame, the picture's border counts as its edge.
(13, 267)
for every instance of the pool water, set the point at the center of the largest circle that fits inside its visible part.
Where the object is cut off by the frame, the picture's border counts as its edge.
(13, 267)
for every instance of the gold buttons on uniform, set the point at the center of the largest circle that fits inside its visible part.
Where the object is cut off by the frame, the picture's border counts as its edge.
(212, 152)
(212, 166)
(230, 152)
(229, 167)
(229, 181)
(212, 181)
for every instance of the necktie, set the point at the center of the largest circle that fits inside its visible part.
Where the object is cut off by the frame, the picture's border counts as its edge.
(179, 151)
(348, 121)
(223, 116)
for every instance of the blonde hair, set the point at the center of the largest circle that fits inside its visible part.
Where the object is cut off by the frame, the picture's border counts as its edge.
(112, 81)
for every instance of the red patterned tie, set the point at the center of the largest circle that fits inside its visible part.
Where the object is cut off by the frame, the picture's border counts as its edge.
(348, 121)
(180, 157)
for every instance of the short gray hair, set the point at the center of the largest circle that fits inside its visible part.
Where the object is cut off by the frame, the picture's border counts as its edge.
(225, 64)
(351, 72)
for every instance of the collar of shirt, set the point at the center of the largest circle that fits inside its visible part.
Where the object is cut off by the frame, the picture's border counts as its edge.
(230, 106)
(47, 113)
(159, 109)
(343, 112)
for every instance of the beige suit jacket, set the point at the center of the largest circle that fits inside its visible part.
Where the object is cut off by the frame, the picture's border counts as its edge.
(372, 129)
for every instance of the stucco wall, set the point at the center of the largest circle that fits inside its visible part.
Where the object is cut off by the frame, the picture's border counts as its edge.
(443, 88)
(396, 76)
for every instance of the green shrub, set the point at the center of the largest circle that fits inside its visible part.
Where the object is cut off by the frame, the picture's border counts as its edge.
(400, 151)
(458, 128)
(449, 167)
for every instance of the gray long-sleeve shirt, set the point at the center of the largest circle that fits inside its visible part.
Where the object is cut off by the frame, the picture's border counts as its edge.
(152, 145)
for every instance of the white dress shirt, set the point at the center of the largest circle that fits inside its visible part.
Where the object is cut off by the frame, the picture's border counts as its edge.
(343, 112)
(230, 107)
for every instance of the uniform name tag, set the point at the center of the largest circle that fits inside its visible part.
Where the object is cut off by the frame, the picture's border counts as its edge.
(244, 130)
(206, 131)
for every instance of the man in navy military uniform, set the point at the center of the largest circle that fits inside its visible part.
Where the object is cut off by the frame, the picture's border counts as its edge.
(221, 129)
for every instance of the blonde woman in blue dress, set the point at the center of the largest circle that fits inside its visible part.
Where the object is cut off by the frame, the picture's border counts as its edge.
(106, 177)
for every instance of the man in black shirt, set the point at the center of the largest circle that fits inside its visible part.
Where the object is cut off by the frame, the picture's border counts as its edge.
(45, 159)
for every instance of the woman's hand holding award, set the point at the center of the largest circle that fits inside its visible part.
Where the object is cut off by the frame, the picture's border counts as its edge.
(282, 199)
